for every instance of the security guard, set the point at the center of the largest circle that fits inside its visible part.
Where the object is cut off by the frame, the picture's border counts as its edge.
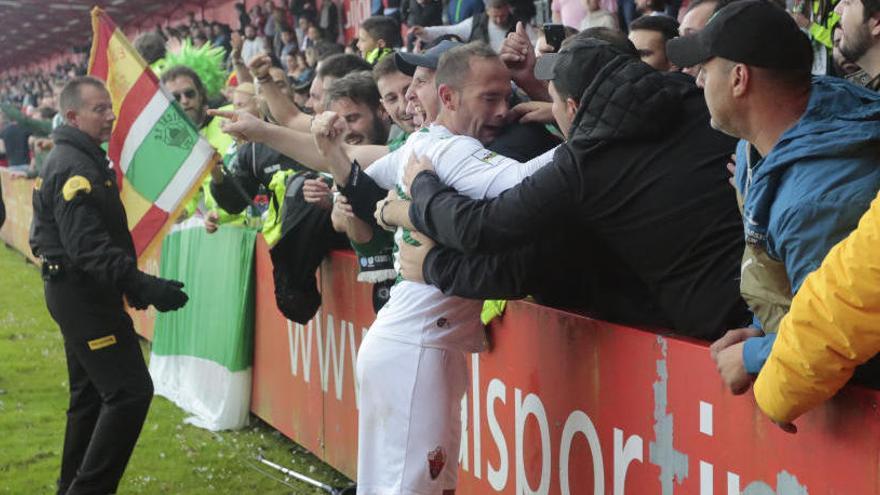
(80, 232)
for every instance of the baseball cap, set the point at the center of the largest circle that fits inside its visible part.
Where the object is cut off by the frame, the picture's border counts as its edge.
(407, 62)
(574, 67)
(752, 32)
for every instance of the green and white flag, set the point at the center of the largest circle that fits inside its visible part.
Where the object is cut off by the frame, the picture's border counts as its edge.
(202, 354)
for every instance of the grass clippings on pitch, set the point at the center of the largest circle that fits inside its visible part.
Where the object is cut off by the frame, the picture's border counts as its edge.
(171, 457)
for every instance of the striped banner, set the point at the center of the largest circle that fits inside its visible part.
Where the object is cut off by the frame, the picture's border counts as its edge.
(158, 155)
(206, 342)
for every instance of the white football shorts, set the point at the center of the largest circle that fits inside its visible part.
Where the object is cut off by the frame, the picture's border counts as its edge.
(409, 423)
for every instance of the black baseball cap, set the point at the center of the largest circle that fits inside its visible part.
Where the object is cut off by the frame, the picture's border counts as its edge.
(575, 67)
(407, 62)
(751, 32)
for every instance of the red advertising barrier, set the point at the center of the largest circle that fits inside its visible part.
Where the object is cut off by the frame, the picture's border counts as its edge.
(303, 375)
(563, 404)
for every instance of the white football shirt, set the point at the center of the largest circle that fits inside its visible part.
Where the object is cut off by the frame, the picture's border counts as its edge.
(421, 314)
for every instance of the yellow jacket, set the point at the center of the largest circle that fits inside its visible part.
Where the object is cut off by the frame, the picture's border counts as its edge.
(833, 326)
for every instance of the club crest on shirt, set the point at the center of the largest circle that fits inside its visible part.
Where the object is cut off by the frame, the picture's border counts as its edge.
(436, 461)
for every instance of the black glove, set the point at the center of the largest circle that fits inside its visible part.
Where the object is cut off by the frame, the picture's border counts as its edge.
(144, 289)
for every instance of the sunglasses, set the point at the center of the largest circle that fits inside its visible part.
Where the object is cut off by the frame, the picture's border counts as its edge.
(189, 93)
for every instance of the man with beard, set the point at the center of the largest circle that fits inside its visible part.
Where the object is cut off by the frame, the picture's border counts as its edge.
(393, 85)
(253, 45)
(357, 101)
(355, 98)
(186, 87)
(842, 66)
(860, 41)
(806, 168)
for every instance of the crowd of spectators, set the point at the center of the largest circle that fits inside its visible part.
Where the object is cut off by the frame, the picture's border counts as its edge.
(29, 111)
(674, 171)
(29, 88)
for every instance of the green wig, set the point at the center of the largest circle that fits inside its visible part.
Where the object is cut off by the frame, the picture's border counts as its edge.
(206, 61)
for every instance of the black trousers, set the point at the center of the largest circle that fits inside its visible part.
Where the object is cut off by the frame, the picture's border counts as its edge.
(110, 394)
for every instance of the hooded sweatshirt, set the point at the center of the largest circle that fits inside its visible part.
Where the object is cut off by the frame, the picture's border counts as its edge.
(809, 192)
(634, 214)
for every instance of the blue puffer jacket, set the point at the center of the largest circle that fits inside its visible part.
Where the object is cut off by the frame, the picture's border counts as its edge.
(809, 192)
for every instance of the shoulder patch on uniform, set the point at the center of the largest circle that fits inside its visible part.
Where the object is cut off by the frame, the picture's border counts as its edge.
(74, 185)
(38, 183)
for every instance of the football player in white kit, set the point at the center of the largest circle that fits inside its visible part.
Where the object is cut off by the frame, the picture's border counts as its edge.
(412, 368)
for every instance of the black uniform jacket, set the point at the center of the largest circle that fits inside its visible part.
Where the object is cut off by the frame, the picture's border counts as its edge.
(80, 224)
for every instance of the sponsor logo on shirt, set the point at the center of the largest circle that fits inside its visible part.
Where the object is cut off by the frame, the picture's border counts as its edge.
(485, 155)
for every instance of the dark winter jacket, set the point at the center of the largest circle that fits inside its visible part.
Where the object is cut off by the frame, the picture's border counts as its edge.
(307, 236)
(80, 223)
(634, 215)
(253, 165)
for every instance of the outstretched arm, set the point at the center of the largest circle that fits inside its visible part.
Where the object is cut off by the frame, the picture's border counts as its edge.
(298, 145)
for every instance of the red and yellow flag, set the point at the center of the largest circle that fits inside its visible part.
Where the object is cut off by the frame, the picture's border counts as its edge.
(158, 155)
